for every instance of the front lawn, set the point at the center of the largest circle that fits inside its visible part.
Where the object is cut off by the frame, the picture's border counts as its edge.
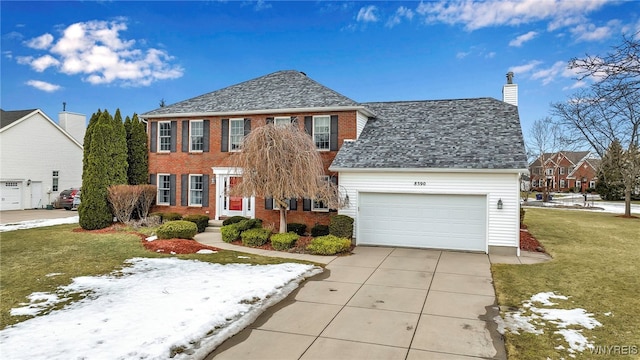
(596, 264)
(42, 259)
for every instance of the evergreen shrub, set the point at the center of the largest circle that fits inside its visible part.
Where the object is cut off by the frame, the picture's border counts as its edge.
(177, 229)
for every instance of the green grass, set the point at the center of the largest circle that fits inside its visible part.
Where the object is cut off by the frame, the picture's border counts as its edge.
(29, 255)
(596, 262)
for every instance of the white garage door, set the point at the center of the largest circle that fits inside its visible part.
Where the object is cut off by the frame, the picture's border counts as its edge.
(11, 195)
(456, 222)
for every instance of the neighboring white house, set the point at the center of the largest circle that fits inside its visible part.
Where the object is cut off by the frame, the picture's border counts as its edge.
(38, 158)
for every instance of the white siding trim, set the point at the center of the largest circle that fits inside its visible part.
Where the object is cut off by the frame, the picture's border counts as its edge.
(361, 121)
(502, 225)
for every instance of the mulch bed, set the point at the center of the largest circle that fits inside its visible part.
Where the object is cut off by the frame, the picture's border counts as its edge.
(528, 242)
(164, 246)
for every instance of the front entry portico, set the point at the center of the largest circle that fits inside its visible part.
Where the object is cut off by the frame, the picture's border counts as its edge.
(226, 206)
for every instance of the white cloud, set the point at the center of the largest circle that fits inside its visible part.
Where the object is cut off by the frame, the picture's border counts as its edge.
(41, 42)
(42, 63)
(368, 14)
(590, 32)
(518, 41)
(401, 13)
(8, 54)
(523, 69)
(462, 54)
(480, 14)
(96, 50)
(559, 68)
(43, 85)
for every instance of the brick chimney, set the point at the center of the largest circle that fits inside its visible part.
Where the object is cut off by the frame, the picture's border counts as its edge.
(510, 91)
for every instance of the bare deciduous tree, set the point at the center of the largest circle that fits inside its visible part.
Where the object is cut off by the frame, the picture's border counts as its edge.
(123, 200)
(544, 142)
(146, 199)
(609, 110)
(282, 162)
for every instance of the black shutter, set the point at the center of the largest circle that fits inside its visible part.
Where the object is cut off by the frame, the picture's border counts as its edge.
(205, 138)
(306, 204)
(294, 120)
(247, 126)
(268, 203)
(185, 136)
(205, 190)
(172, 189)
(154, 136)
(152, 179)
(269, 120)
(225, 135)
(308, 125)
(333, 140)
(293, 204)
(174, 134)
(184, 190)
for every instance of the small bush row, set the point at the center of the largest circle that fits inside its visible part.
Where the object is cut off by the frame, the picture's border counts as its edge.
(328, 245)
(201, 221)
(234, 230)
(180, 229)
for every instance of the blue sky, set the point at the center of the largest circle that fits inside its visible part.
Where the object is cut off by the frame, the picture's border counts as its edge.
(130, 55)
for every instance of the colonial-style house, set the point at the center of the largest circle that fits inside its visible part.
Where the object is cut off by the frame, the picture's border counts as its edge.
(39, 158)
(432, 174)
(564, 171)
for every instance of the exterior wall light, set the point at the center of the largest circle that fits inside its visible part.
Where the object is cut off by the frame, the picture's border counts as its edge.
(500, 204)
(28, 182)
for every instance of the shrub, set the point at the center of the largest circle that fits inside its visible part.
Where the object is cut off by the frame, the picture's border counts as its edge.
(297, 228)
(233, 220)
(123, 200)
(230, 233)
(319, 230)
(284, 241)
(341, 226)
(202, 221)
(255, 237)
(177, 229)
(171, 216)
(328, 245)
(521, 216)
(247, 224)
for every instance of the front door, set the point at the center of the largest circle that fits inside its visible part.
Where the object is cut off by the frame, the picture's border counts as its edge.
(234, 205)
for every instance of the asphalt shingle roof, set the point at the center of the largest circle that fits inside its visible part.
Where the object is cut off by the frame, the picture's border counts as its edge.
(481, 133)
(287, 89)
(9, 117)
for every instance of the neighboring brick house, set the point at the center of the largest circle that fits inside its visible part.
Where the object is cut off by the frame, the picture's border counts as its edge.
(436, 174)
(584, 175)
(556, 169)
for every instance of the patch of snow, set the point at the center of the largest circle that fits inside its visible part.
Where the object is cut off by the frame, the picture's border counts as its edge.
(544, 298)
(533, 319)
(243, 257)
(206, 251)
(173, 253)
(30, 224)
(608, 313)
(152, 238)
(151, 308)
(38, 302)
(53, 274)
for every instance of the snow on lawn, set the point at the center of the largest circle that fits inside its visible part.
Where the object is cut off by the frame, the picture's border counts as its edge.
(38, 223)
(533, 319)
(152, 309)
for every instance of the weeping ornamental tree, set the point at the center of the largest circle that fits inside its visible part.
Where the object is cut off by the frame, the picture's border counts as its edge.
(282, 162)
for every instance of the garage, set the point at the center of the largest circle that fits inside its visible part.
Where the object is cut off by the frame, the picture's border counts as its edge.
(11, 194)
(456, 222)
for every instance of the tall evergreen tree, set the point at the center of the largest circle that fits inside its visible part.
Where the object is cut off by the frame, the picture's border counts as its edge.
(87, 139)
(118, 151)
(610, 185)
(94, 210)
(138, 158)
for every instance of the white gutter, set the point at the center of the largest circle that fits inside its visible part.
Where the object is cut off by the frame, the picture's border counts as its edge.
(362, 109)
(427, 170)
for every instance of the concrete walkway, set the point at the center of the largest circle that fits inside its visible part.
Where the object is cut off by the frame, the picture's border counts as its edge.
(379, 303)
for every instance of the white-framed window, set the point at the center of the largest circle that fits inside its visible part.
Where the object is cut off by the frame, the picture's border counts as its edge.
(592, 184)
(196, 135)
(54, 180)
(236, 134)
(320, 205)
(549, 171)
(322, 131)
(562, 183)
(562, 169)
(578, 183)
(164, 189)
(164, 136)
(571, 169)
(196, 189)
(282, 121)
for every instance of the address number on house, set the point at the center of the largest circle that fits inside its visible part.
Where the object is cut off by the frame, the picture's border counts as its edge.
(419, 183)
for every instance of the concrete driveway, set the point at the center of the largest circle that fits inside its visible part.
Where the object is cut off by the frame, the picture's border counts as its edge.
(380, 303)
(14, 216)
